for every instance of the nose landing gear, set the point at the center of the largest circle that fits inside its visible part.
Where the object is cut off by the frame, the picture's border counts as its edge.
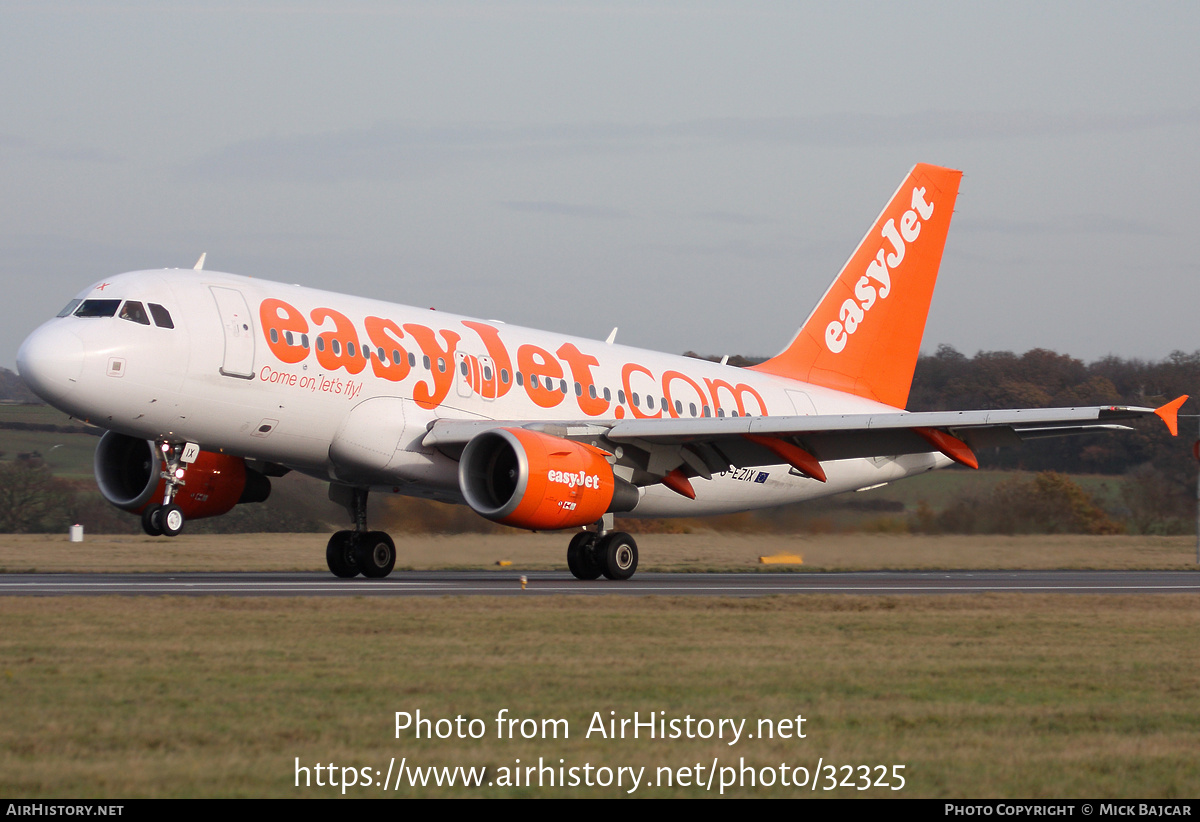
(166, 519)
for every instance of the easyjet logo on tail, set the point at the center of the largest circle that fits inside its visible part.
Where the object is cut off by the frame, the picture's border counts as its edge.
(876, 283)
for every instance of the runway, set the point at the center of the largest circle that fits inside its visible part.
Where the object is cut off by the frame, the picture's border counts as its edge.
(560, 583)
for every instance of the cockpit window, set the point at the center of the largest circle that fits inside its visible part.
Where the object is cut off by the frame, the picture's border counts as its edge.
(71, 306)
(134, 312)
(97, 308)
(162, 317)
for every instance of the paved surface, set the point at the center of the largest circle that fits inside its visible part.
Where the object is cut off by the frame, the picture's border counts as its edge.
(542, 583)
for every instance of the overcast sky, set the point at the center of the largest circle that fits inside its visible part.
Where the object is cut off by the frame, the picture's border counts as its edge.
(693, 172)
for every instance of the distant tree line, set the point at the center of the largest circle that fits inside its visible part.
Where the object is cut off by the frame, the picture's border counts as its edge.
(14, 389)
(1159, 486)
(948, 380)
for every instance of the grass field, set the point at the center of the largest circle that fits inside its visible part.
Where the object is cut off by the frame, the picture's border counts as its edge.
(69, 455)
(988, 696)
(981, 696)
(664, 552)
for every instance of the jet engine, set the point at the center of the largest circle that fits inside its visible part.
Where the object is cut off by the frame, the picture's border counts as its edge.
(540, 482)
(128, 471)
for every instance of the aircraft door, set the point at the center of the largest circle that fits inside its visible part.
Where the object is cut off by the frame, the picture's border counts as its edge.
(474, 375)
(487, 377)
(462, 374)
(238, 328)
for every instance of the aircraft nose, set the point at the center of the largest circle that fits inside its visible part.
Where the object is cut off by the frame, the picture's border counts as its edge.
(50, 361)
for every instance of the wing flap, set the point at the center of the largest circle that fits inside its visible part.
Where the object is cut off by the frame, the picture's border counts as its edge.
(700, 445)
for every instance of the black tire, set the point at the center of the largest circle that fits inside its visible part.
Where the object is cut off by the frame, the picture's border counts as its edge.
(375, 554)
(620, 555)
(340, 556)
(151, 522)
(170, 518)
(581, 556)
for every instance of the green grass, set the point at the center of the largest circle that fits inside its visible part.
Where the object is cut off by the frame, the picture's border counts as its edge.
(988, 696)
(939, 488)
(69, 455)
(43, 414)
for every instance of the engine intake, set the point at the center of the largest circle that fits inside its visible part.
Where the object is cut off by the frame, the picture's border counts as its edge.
(128, 472)
(540, 482)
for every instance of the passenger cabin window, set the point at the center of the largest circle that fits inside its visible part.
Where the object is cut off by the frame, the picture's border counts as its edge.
(97, 308)
(135, 312)
(162, 318)
(70, 309)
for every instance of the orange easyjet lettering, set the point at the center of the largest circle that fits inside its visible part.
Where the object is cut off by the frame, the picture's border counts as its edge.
(438, 360)
(581, 371)
(541, 370)
(392, 364)
(283, 325)
(338, 348)
(500, 383)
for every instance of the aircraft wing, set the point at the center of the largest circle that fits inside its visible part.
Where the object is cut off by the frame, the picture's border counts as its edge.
(708, 445)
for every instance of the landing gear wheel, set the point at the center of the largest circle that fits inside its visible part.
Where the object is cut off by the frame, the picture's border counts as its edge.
(151, 520)
(619, 554)
(581, 555)
(340, 555)
(171, 519)
(375, 554)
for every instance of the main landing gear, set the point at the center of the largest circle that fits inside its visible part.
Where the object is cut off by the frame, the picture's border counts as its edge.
(166, 519)
(350, 553)
(613, 554)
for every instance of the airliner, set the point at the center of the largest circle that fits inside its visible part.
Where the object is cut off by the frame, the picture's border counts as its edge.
(210, 384)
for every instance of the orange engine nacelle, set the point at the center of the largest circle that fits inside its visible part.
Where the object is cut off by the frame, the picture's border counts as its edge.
(536, 481)
(128, 471)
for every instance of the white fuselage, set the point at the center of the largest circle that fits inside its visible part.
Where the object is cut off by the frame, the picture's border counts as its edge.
(278, 373)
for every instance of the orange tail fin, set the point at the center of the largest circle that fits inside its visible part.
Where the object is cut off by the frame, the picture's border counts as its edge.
(865, 334)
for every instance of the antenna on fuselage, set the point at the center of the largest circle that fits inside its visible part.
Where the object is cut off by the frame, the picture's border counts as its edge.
(612, 335)
(725, 360)
(199, 266)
